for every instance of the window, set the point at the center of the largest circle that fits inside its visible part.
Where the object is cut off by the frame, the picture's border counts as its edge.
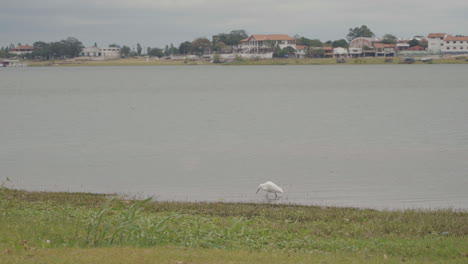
(454, 42)
(448, 48)
(448, 42)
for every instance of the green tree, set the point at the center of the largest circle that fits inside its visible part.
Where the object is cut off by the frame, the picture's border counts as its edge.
(220, 47)
(340, 43)
(139, 49)
(201, 45)
(125, 51)
(155, 52)
(216, 58)
(41, 50)
(315, 53)
(72, 47)
(308, 42)
(4, 53)
(173, 50)
(283, 53)
(389, 39)
(166, 51)
(232, 38)
(57, 50)
(277, 52)
(357, 32)
(114, 45)
(185, 47)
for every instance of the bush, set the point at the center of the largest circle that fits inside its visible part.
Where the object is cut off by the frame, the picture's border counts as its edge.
(216, 58)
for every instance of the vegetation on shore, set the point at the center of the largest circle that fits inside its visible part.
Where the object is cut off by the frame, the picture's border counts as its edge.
(140, 61)
(44, 227)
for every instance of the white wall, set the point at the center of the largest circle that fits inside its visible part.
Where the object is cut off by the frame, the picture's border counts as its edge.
(457, 47)
(434, 44)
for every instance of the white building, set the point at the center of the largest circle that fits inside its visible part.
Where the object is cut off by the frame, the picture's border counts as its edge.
(340, 52)
(97, 53)
(435, 41)
(265, 43)
(91, 52)
(355, 52)
(301, 51)
(110, 52)
(455, 45)
(21, 50)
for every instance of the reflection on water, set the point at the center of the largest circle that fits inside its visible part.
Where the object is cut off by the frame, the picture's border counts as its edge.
(386, 136)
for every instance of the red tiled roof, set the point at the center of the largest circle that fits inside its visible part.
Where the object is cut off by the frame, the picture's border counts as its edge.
(452, 38)
(436, 35)
(301, 47)
(272, 37)
(23, 48)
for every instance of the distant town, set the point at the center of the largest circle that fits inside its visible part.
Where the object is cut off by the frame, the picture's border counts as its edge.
(360, 42)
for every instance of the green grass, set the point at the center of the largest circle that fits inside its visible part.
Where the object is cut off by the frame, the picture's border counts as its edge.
(100, 228)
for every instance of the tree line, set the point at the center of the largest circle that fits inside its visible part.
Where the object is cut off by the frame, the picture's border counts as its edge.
(220, 43)
(67, 48)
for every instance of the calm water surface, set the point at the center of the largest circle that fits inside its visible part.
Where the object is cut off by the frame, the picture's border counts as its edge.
(385, 136)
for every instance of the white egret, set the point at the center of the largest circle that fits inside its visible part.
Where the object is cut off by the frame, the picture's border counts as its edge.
(270, 187)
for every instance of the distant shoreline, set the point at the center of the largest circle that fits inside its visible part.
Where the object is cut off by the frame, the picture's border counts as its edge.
(274, 61)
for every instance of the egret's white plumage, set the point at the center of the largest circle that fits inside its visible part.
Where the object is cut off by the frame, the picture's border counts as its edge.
(270, 187)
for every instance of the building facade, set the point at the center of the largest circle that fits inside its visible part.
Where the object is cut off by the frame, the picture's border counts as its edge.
(363, 43)
(21, 50)
(455, 45)
(104, 53)
(265, 43)
(435, 41)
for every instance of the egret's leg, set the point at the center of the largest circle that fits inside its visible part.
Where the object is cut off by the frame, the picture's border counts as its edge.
(276, 196)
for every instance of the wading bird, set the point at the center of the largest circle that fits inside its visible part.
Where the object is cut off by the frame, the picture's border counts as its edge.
(270, 187)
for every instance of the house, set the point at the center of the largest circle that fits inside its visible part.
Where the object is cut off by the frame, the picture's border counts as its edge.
(435, 41)
(265, 43)
(301, 51)
(91, 52)
(447, 44)
(110, 52)
(384, 50)
(402, 46)
(455, 45)
(417, 48)
(21, 50)
(340, 52)
(355, 52)
(97, 53)
(328, 52)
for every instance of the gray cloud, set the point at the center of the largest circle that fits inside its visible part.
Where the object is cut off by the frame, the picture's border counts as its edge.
(156, 23)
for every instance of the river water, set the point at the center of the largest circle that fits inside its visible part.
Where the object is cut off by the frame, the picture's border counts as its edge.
(374, 136)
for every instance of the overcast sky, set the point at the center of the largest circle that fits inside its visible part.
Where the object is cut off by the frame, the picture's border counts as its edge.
(156, 23)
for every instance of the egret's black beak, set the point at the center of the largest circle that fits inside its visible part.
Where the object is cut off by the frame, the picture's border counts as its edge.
(257, 190)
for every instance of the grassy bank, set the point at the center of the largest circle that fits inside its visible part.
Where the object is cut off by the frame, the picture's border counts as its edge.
(39, 227)
(319, 61)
